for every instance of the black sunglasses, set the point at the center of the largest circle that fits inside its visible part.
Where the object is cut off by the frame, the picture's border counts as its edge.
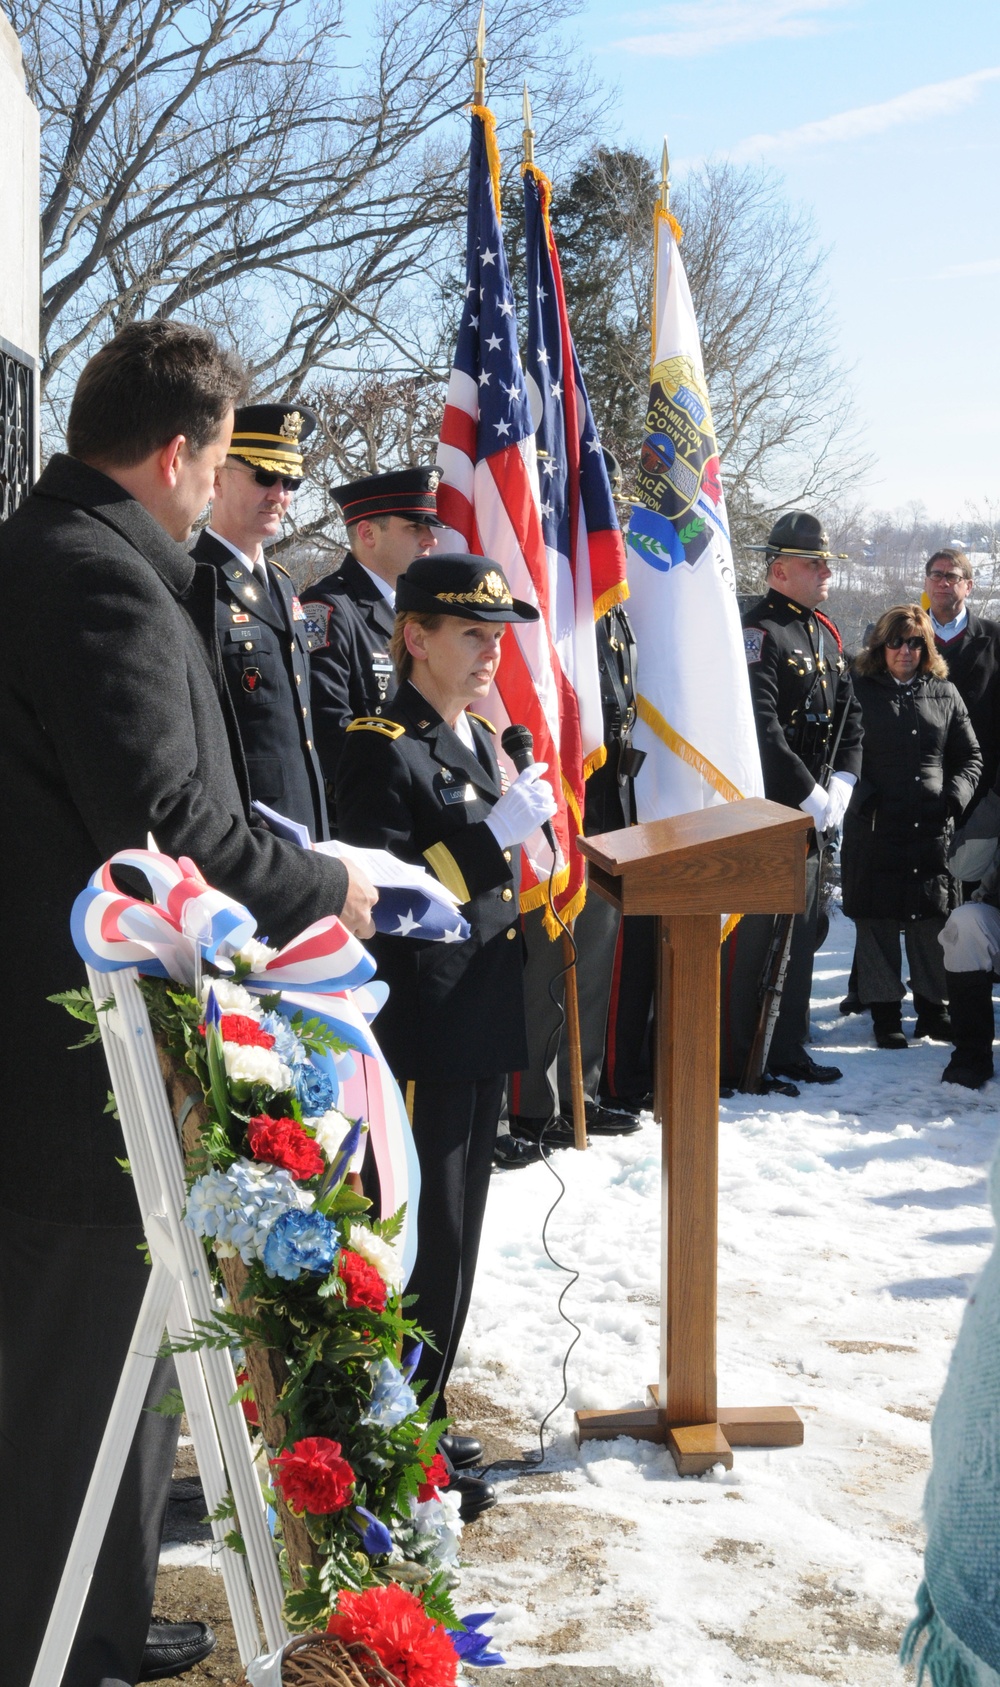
(910, 643)
(290, 482)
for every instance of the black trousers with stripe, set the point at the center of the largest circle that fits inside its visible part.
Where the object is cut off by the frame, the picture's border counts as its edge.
(454, 1128)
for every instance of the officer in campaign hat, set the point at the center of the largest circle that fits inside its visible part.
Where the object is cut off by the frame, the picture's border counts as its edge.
(391, 519)
(261, 623)
(809, 731)
(422, 780)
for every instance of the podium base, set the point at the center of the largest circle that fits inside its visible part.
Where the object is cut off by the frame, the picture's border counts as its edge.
(695, 1448)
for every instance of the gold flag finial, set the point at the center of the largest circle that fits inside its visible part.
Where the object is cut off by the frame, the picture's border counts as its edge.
(665, 178)
(527, 132)
(480, 59)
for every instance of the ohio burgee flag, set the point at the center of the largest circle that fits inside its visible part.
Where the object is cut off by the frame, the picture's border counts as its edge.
(696, 721)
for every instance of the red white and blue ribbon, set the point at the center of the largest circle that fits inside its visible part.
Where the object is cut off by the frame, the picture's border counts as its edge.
(324, 972)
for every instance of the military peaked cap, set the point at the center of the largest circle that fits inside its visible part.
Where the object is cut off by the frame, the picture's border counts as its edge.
(269, 436)
(410, 493)
(472, 587)
(796, 534)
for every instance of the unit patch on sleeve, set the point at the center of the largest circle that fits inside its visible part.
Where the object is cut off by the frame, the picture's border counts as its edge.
(317, 620)
(753, 642)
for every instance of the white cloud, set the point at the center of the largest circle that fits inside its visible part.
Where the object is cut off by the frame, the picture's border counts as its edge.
(960, 272)
(935, 99)
(694, 27)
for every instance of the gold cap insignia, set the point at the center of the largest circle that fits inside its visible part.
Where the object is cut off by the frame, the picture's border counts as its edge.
(433, 480)
(291, 427)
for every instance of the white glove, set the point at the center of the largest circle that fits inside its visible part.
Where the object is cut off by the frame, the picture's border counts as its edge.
(816, 804)
(522, 808)
(839, 795)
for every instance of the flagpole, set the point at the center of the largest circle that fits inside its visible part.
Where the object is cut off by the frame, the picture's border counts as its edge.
(571, 998)
(479, 62)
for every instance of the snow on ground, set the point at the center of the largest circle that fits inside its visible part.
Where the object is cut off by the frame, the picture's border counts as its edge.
(851, 1223)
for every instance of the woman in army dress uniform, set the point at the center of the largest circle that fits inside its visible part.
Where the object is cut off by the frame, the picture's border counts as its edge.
(426, 785)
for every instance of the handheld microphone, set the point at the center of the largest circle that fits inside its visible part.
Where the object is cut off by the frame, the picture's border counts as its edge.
(518, 744)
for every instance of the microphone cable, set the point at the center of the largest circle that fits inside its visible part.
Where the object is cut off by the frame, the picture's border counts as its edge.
(532, 1462)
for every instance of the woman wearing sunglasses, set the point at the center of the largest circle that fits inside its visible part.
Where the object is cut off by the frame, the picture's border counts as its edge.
(919, 770)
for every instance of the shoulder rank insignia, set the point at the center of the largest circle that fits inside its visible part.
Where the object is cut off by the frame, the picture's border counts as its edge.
(482, 721)
(375, 723)
(753, 642)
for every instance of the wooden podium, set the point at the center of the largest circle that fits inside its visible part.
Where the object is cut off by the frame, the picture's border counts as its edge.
(744, 857)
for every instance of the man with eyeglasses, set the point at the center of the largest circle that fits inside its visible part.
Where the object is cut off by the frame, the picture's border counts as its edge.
(971, 648)
(261, 623)
(806, 714)
(391, 520)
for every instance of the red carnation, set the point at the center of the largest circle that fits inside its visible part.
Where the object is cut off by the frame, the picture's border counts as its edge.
(248, 1407)
(435, 1476)
(282, 1142)
(313, 1477)
(240, 1028)
(365, 1285)
(392, 1621)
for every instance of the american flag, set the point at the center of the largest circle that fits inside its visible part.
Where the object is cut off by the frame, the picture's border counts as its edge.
(584, 544)
(489, 495)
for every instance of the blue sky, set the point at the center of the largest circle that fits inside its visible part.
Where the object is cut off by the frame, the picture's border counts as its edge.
(883, 117)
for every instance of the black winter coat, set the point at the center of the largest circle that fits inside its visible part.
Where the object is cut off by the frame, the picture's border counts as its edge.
(116, 723)
(974, 670)
(919, 771)
(455, 1010)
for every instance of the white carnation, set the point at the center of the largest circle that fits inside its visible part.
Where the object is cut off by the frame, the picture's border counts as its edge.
(232, 998)
(255, 955)
(329, 1129)
(378, 1253)
(255, 1066)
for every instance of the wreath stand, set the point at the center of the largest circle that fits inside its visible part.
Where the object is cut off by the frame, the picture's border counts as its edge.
(178, 1295)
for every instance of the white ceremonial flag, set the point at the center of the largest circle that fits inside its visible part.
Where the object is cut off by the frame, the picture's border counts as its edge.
(696, 721)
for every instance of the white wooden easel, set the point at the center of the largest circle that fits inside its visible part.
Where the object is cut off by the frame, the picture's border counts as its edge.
(178, 1295)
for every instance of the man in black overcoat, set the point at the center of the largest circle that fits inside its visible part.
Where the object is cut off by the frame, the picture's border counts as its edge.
(117, 724)
(391, 519)
(806, 713)
(261, 623)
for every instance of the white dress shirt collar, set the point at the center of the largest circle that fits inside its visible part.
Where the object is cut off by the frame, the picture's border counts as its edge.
(259, 567)
(951, 629)
(388, 592)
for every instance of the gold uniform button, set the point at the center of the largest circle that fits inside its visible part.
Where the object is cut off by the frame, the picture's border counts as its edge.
(507, 893)
(298, 679)
(506, 854)
(309, 743)
(511, 932)
(305, 711)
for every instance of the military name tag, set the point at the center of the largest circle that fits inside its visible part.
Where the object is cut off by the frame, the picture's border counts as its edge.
(240, 634)
(458, 793)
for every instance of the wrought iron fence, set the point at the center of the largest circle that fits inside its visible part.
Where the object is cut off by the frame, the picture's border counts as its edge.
(17, 427)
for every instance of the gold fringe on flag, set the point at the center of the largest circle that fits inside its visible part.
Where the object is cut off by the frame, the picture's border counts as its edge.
(607, 600)
(492, 151)
(687, 752)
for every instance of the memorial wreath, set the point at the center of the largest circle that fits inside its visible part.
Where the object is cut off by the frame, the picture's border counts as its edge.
(310, 1284)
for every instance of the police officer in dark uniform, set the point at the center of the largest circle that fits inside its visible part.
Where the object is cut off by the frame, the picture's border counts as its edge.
(391, 519)
(803, 699)
(422, 780)
(261, 623)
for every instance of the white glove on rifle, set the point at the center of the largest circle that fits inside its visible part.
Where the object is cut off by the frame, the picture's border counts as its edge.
(838, 797)
(815, 805)
(522, 808)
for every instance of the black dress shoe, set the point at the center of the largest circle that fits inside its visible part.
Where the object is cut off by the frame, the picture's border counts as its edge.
(807, 1072)
(477, 1495)
(512, 1152)
(551, 1133)
(171, 1648)
(602, 1121)
(461, 1451)
(852, 1003)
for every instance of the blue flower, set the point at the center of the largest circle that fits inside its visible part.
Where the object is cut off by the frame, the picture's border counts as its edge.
(411, 1359)
(300, 1242)
(375, 1537)
(392, 1397)
(287, 1046)
(237, 1208)
(472, 1646)
(314, 1089)
(213, 1015)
